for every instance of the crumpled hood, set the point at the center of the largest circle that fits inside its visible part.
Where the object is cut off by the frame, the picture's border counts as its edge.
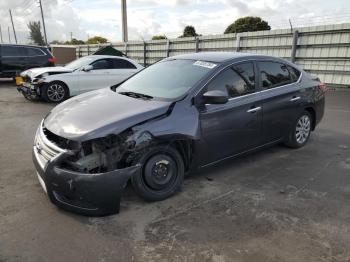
(99, 113)
(34, 72)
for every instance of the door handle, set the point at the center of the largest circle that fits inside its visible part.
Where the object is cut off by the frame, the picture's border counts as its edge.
(295, 98)
(254, 109)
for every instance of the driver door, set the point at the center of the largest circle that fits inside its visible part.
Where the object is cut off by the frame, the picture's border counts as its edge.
(97, 77)
(233, 127)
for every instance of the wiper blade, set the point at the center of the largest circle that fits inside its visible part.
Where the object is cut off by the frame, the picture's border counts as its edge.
(135, 95)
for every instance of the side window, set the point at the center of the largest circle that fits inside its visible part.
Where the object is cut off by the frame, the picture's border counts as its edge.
(122, 64)
(273, 74)
(294, 73)
(246, 71)
(12, 51)
(235, 81)
(34, 51)
(100, 64)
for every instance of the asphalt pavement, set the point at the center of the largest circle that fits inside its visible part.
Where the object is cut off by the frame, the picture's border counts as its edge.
(279, 204)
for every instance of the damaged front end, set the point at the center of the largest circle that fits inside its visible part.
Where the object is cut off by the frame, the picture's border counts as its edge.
(87, 177)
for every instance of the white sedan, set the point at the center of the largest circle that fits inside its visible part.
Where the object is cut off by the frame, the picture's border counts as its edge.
(55, 84)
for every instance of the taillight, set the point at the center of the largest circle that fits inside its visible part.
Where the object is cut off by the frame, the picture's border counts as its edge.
(52, 60)
(323, 86)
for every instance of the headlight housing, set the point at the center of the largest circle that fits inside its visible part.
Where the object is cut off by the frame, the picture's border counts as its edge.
(41, 80)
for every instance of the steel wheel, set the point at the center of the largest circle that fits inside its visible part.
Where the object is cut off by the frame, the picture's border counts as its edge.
(56, 92)
(303, 129)
(161, 174)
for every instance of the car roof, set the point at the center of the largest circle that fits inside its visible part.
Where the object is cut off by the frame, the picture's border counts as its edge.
(228, 57)
(218, 57)
(222, 57)
(22, 45)
(113, 56)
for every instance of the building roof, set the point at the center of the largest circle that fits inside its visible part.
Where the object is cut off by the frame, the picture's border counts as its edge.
(108, 50)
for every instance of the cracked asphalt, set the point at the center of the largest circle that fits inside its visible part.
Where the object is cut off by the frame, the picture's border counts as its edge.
(275, 205)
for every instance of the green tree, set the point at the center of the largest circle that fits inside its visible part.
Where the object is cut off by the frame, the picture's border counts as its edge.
(159, 37)
(247, 24)
(74, 41)
(35, 33)
(56, 42)
(97, 40)
(189, 31)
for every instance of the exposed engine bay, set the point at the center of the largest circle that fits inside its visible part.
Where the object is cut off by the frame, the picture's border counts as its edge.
(108, 153)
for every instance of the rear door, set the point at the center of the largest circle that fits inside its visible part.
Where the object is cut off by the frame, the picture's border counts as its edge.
(234, 127)
(121, 70)
(98, 77)
(282, 98)
(13, 60)
(35, 57)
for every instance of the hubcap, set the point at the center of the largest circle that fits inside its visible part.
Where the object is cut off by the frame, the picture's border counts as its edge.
(302, 130)
(55, 92)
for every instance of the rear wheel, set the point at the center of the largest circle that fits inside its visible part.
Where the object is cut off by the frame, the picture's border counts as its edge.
(161, 175)
(55, 92)
(301, 131)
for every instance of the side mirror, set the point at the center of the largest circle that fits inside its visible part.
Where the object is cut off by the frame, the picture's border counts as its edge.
(87, 68)
(215, 97)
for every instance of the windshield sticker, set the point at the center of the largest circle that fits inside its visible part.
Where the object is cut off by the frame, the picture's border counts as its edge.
(204, 64)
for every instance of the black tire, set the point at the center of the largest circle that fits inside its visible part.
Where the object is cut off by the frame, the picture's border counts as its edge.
(55, 92)
(297, 139)
(161, 175)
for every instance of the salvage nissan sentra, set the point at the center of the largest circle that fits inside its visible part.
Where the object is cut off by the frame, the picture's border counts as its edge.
(183, 113)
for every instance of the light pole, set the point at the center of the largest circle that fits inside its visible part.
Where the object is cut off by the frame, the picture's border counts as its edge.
(124, 22)
(42, 18)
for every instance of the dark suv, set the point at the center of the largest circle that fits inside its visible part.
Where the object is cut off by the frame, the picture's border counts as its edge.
(17, 58)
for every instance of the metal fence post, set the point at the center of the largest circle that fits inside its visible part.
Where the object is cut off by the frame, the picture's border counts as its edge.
(144, 53)
(88, 49)
(294, 45)
(168, 48)
(126, 48)
(238, 43)
(197, 44)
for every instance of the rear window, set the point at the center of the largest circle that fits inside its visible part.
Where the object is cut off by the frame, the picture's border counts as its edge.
(274, 74)
(12, 51)
(294, 73)
(34, 51)
(122, 64)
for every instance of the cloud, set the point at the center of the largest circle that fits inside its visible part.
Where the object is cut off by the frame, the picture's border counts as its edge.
(60, 19)
(163, 2)
(152, 17)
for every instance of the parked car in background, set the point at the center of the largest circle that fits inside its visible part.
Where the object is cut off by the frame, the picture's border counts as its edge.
(16, 58)
(55, 84)
(183, 113)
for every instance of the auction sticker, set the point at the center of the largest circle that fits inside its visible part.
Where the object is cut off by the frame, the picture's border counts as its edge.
(205, 64)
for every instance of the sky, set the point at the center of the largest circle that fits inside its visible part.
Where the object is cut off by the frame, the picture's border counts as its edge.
(84, 18)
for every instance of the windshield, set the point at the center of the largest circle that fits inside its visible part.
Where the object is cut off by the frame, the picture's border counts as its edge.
(76, 64)
(168, 80)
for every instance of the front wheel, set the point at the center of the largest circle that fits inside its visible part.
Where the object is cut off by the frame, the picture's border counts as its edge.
(161, 175)
(55, 92)
(301, 131)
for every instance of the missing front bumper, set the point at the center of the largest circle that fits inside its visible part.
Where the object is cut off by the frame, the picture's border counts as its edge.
(87, 194)
(29, 91)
